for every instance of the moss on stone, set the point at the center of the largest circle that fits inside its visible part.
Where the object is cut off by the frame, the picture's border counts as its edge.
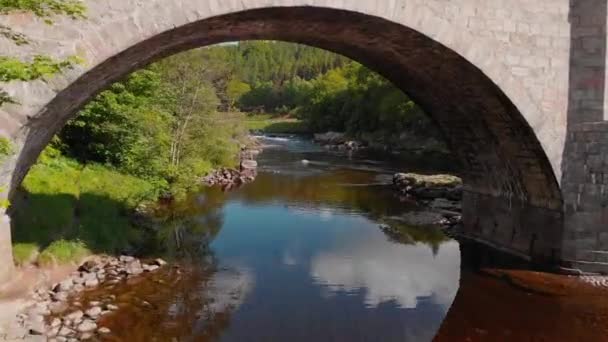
(431, 180)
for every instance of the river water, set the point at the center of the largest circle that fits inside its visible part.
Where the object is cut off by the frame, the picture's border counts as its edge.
(298, 255)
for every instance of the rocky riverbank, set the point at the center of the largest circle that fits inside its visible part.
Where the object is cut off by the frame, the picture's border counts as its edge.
(440, 194)
(51, 315)
(229, 178)
(339, 141)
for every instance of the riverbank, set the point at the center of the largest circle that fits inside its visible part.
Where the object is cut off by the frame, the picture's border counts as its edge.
(55, 311)
(231, 178)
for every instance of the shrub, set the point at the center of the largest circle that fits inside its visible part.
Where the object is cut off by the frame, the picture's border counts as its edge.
(63, 252)
(24, 253)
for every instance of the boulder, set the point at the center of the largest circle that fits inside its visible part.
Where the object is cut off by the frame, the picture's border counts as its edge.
(429, 186)
(249, 165)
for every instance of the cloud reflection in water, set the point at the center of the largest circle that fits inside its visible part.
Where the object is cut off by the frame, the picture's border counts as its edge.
(399, 273)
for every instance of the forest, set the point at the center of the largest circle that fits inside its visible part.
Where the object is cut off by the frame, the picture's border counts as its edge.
(160, 129)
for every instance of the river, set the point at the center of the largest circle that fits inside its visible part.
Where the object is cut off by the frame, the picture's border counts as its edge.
(298, 255)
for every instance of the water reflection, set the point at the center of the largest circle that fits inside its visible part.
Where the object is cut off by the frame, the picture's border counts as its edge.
(386, 273)
(298, 255)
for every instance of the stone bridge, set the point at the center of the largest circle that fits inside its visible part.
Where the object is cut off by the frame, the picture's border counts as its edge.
(517, 87)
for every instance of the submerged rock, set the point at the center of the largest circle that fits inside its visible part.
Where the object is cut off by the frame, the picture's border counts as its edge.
(160, 262)
(104, 330)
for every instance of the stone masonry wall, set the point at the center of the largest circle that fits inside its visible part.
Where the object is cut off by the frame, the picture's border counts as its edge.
(586, 197)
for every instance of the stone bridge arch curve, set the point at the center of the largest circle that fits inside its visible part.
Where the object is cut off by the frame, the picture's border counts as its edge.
(488, 113)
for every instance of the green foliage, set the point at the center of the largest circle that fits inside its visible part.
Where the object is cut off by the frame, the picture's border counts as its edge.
(326, 91)
(235, 89)
(45, 8)
(124, 127)
(63, 252)
(14, 69)
(6, 147)
(25, 253)
(270, 124)
(159, 124)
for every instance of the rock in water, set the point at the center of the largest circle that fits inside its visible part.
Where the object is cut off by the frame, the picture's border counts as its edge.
(104, 330)
(249, 168)
(429, 186)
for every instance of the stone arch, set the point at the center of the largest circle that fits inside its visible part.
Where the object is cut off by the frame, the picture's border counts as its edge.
(485, 113)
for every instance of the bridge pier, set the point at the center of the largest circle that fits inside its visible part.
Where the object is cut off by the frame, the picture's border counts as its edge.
(6, 251)
(585, 193)
(513, 226)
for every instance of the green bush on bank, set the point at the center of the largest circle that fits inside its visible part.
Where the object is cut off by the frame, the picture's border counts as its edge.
(63, 252)
(25, 253)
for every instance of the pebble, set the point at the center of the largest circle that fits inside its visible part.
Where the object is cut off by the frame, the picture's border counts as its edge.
(91, 283)
(63, 286)
(76, 325)
(104, 330)
(53, 332)
(150, 268)
(86, 336)
(94, 312)
(65, 331)
(60, 297)
(112, 307)
(75, 315)
(126, 258)
(56, 322)
(87, 326)
(37, 328)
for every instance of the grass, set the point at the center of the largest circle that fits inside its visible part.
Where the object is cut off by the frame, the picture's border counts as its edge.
(271, 124)
(25, 253)
(63, 252)
(65, 208)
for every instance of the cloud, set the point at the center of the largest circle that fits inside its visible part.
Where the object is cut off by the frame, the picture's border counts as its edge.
(391, 272)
